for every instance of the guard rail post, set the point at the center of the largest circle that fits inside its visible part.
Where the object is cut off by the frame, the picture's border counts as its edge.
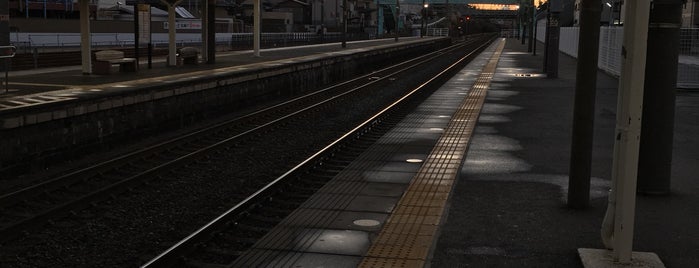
(7, 52)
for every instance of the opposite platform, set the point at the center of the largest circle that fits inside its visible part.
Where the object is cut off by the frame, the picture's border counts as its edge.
(69, 110)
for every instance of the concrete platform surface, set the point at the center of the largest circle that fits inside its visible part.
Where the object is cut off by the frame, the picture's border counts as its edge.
(509, 208)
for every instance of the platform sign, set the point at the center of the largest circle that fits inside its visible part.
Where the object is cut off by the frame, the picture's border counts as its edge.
(184, 25)
(144, 23)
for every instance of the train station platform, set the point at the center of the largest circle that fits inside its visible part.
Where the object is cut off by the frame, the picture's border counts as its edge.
(27, 82)
(415, 200)
(498, 203)
(508, 208)
(73, 110)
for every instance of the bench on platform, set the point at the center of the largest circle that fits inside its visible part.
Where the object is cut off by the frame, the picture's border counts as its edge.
(106, 58)
(188, 55)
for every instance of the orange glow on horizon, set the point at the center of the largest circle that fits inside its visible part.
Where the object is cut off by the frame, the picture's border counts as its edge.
(494, 6)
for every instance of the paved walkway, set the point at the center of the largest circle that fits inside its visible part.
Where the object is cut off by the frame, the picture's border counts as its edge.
(509, 208)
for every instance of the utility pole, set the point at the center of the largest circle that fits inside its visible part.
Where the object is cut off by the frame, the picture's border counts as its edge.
(655, 160)
(584, 110)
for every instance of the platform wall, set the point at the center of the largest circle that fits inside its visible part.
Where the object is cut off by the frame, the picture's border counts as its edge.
(45, 134)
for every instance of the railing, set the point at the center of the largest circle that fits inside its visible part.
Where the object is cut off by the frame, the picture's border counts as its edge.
(284, 39)
(437, 31)
(28, 41)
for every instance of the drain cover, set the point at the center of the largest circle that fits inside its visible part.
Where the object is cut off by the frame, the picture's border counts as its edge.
(366, 223)
(528, 75)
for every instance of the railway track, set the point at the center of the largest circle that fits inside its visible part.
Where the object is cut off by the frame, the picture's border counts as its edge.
(224, 239)
(28, 209)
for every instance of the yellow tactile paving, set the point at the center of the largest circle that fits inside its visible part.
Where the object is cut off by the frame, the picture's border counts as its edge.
(403, 209)
(408, 234)
(392, 263)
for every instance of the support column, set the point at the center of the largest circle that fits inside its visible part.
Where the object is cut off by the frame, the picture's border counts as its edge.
(397, 19)
(5, 37)
(628, 129)
(172, 31)
(655, 160)
(204, 30)
(553, 29)
(522, 20)
(530, 16)
(546, 39)
(378, 19)
(4, 23)
(584, 110)
(344, 23)
(136, 33)
(172, 36)
(85, 38)
(211, 32)
(256, 27)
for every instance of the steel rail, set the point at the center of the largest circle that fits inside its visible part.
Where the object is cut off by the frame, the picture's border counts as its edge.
(17, 228)
(10, 198)
(170, 256)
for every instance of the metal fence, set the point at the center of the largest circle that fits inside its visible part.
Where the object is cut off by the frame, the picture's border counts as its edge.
(688, 67)
(609, 57)
(437, 31)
